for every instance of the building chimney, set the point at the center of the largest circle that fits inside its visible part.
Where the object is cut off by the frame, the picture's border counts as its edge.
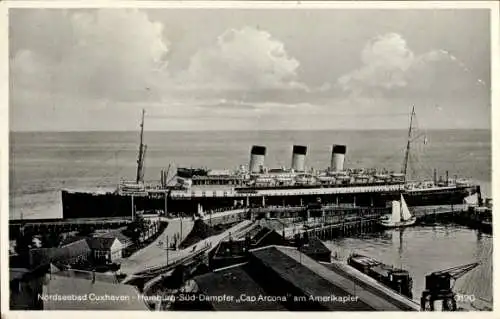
(338, 156)
(299, 158)
(257, 156)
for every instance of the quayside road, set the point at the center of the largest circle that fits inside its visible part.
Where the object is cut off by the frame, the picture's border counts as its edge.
(155, 251)
(156, 254)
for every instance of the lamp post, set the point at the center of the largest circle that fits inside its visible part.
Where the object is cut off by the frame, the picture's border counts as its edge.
(167, 250)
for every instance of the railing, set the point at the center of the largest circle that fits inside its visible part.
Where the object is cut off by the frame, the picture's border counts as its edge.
(180, 261)
(306, 191)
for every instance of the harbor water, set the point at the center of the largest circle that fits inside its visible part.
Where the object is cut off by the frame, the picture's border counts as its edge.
(422, 250)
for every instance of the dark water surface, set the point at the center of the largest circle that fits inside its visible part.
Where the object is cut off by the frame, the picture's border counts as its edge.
(423, 250)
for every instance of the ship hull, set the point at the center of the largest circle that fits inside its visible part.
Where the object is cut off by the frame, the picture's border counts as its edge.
(78, 204)
(401, 224)
(402, 284)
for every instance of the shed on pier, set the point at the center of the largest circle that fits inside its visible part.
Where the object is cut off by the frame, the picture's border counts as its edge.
(283, 278)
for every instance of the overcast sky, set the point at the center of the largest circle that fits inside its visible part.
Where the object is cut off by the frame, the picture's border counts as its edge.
(195, 69)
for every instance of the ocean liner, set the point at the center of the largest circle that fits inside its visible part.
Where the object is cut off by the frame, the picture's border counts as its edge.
(197, 190)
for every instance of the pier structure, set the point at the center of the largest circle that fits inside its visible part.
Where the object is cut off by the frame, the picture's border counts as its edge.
(39, 226)
(348, 217)
(160, 262)
(330, 222)
(283, 278)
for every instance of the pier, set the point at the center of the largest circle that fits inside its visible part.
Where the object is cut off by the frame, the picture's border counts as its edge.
(283, 278)
(38, 226)
(330, 221)
(162, 260)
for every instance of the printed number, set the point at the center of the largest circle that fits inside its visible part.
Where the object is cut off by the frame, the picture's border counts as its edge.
(465, 298)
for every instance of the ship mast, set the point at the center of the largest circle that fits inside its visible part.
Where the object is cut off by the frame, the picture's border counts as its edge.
(142, 149)
(407, 152)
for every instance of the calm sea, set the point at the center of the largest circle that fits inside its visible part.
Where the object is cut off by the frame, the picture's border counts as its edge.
(43, 163)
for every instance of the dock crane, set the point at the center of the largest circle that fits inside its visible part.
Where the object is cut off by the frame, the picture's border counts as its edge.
(439, 287)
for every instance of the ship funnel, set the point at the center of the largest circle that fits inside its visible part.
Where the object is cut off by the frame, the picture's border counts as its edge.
(299, 158)
(257, 156)
(338, 155)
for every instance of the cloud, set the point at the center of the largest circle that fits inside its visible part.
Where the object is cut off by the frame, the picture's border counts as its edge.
(385, 60)
(108, 61)
(389, 65)
(76, 69)
(243, 60)
(111, 54)
(122, 56)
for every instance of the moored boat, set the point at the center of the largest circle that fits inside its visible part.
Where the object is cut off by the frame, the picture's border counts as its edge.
(394, 278)
(400, 216)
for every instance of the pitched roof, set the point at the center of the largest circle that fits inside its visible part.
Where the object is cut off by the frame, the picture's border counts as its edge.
(117, 233)
(41, 256)
(231, 248)
(69, 240)
(101, 243)
(232, 281)
(314, 246)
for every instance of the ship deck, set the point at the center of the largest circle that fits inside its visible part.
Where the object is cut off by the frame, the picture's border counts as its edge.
(231, 192)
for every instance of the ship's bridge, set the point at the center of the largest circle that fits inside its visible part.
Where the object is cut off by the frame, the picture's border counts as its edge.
(220, 177)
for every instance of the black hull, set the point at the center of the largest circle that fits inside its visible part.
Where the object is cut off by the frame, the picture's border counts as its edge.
(87, 204)
(402, 284)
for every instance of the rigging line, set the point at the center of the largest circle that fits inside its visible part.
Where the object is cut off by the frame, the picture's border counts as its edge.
(417, 137)
(423, 163)
(413, 168)
(416, 164)
(421, 150)
(422, 167)
(401, 150)
(417, 158)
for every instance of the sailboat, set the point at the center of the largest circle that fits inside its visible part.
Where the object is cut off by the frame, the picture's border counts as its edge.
(400, 217)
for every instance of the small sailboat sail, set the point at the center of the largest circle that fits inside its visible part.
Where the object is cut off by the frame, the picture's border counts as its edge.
(472, 200)
(396, 211)
(400, 215)
(405, 212)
